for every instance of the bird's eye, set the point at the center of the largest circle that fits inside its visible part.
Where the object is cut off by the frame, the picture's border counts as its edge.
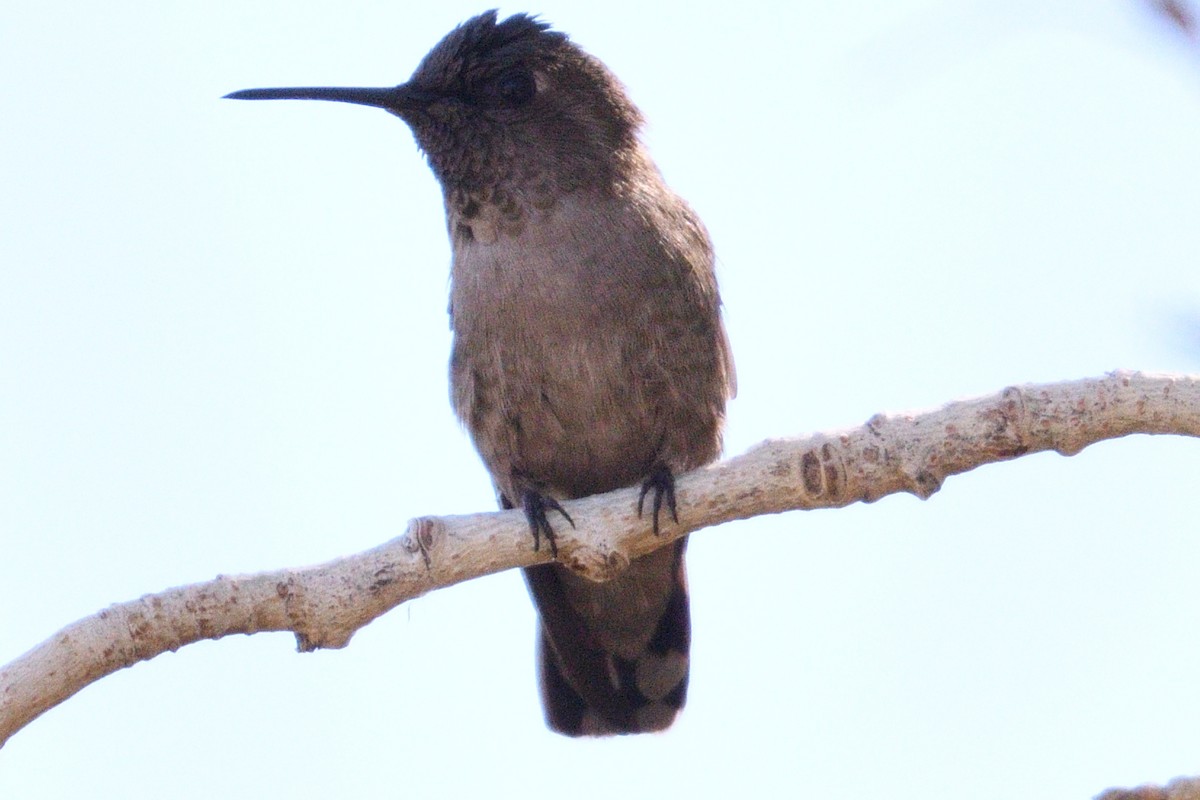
(515, 87)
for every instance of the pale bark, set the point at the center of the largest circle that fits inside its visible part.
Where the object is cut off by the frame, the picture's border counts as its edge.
(324, 605)
(1178, 789)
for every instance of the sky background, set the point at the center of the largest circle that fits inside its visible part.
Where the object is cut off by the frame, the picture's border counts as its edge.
(223, 348)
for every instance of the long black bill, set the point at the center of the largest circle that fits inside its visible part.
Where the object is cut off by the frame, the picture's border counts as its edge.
(396, 99)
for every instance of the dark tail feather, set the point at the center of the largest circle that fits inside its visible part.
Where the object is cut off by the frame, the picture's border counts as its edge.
(598, 676)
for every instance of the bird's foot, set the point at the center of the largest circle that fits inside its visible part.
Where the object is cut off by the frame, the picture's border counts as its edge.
(536, 505)
(662, 482)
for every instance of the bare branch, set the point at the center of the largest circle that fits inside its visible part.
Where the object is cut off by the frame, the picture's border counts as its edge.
(324, 605)
(1178, 789)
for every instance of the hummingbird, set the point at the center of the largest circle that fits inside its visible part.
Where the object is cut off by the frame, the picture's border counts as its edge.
(588, 352)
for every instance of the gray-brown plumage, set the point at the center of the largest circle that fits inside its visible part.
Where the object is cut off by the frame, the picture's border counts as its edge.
(589, 352)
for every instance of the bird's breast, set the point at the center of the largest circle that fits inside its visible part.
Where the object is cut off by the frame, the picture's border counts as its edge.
(544, 370)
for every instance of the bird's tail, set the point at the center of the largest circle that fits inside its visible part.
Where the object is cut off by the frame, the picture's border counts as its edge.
(613, 657)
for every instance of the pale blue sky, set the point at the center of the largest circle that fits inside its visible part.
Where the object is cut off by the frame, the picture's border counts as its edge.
(223, 344)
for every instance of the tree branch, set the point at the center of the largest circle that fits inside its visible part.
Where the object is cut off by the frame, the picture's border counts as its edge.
(324, 605)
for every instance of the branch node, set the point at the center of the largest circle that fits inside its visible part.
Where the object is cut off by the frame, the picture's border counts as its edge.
(823, 472)
(616, 563)
(598, 564)
(924, 484)
(419, 538)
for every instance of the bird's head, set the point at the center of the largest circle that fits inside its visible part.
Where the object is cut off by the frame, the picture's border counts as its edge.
(499, 102)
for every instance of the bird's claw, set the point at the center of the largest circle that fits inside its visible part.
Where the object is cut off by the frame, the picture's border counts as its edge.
(536, 505)
(662, 481)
